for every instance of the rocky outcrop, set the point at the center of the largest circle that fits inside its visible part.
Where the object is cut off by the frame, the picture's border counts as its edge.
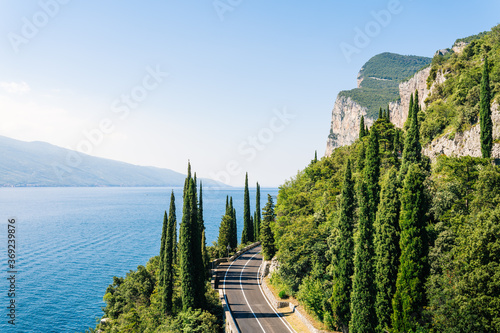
(346, 116)
(459, 47)
(467, 143)
(399, 109)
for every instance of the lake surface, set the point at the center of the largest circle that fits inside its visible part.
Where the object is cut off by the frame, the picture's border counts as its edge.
(70, 242)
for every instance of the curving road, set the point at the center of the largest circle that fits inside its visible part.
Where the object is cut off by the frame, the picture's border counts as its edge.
(249, 307)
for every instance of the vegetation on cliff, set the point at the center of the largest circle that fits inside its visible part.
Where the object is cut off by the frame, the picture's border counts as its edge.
(381, 76)
(432, 255)
(454, 105)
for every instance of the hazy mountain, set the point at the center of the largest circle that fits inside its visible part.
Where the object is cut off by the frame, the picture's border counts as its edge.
(42, 164)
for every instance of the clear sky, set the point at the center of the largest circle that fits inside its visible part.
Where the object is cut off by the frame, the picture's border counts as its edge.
(232, 85)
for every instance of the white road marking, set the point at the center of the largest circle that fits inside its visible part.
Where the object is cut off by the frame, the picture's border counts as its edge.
(262, 292)
(243, 291)
(227, 302)
(270, 305)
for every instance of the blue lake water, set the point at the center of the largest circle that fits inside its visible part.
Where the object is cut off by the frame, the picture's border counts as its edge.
(70, 242)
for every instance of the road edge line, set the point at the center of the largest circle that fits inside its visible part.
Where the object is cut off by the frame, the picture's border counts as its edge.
(280, 316)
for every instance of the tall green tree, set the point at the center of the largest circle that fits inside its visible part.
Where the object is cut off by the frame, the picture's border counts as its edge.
(412, 151)
(234, 228)
(186, 246)
(363, 316)
(360, 162)
(247, 235)
(372, 172)
(257, 218)
(199, 268)
(266, 235)
(163, 269)
(410, 114)
(409, 299)
(486, 124)
(380, 114)
(387, 249)
(168, 291)
(201, 223)
(342, 263)
(225, 233)
(362, 127)
(191, 258)
(172, 218)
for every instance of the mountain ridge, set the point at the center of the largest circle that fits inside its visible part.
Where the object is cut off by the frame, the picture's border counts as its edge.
(41, 164)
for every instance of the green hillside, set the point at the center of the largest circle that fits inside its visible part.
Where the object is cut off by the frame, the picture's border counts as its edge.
(376, 238)
(454, 105)
(381, 77)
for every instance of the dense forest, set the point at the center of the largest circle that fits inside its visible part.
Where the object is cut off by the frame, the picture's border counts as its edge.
(376, 238)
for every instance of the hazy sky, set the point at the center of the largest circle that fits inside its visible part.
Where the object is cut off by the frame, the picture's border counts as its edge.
(232, 85)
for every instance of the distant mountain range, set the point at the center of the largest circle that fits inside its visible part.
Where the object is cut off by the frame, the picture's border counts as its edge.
(42, 164)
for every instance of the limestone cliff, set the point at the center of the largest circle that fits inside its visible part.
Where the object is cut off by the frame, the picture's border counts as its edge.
(467, 143)
(346, 116)
(377, 85)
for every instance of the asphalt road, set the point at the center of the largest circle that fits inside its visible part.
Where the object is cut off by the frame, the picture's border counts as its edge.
(249, 307)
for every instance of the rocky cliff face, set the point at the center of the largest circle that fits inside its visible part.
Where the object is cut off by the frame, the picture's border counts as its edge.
(346, 113)
(346, 116)
(399, 109)
(467, 143)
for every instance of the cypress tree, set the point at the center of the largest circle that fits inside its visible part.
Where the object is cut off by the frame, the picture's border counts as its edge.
(225, 233)
(234, 229)
(363, 316)
(201, 222)
(412, 151)
(247, 235)
(409, 298)
(486, 124)
(396, 149)
(384, 115)
(362, 127)
(257, 218)
(343, 266)
(416, 104)
(199, 269)
(410, 114)
(386, 249)
(186, 246)
(266, 235)
(388, 114)
(255, 233)
(172, 218)
(360, 163)
(380, 113)
(372, 173)
(315, 156)
(163, 270)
